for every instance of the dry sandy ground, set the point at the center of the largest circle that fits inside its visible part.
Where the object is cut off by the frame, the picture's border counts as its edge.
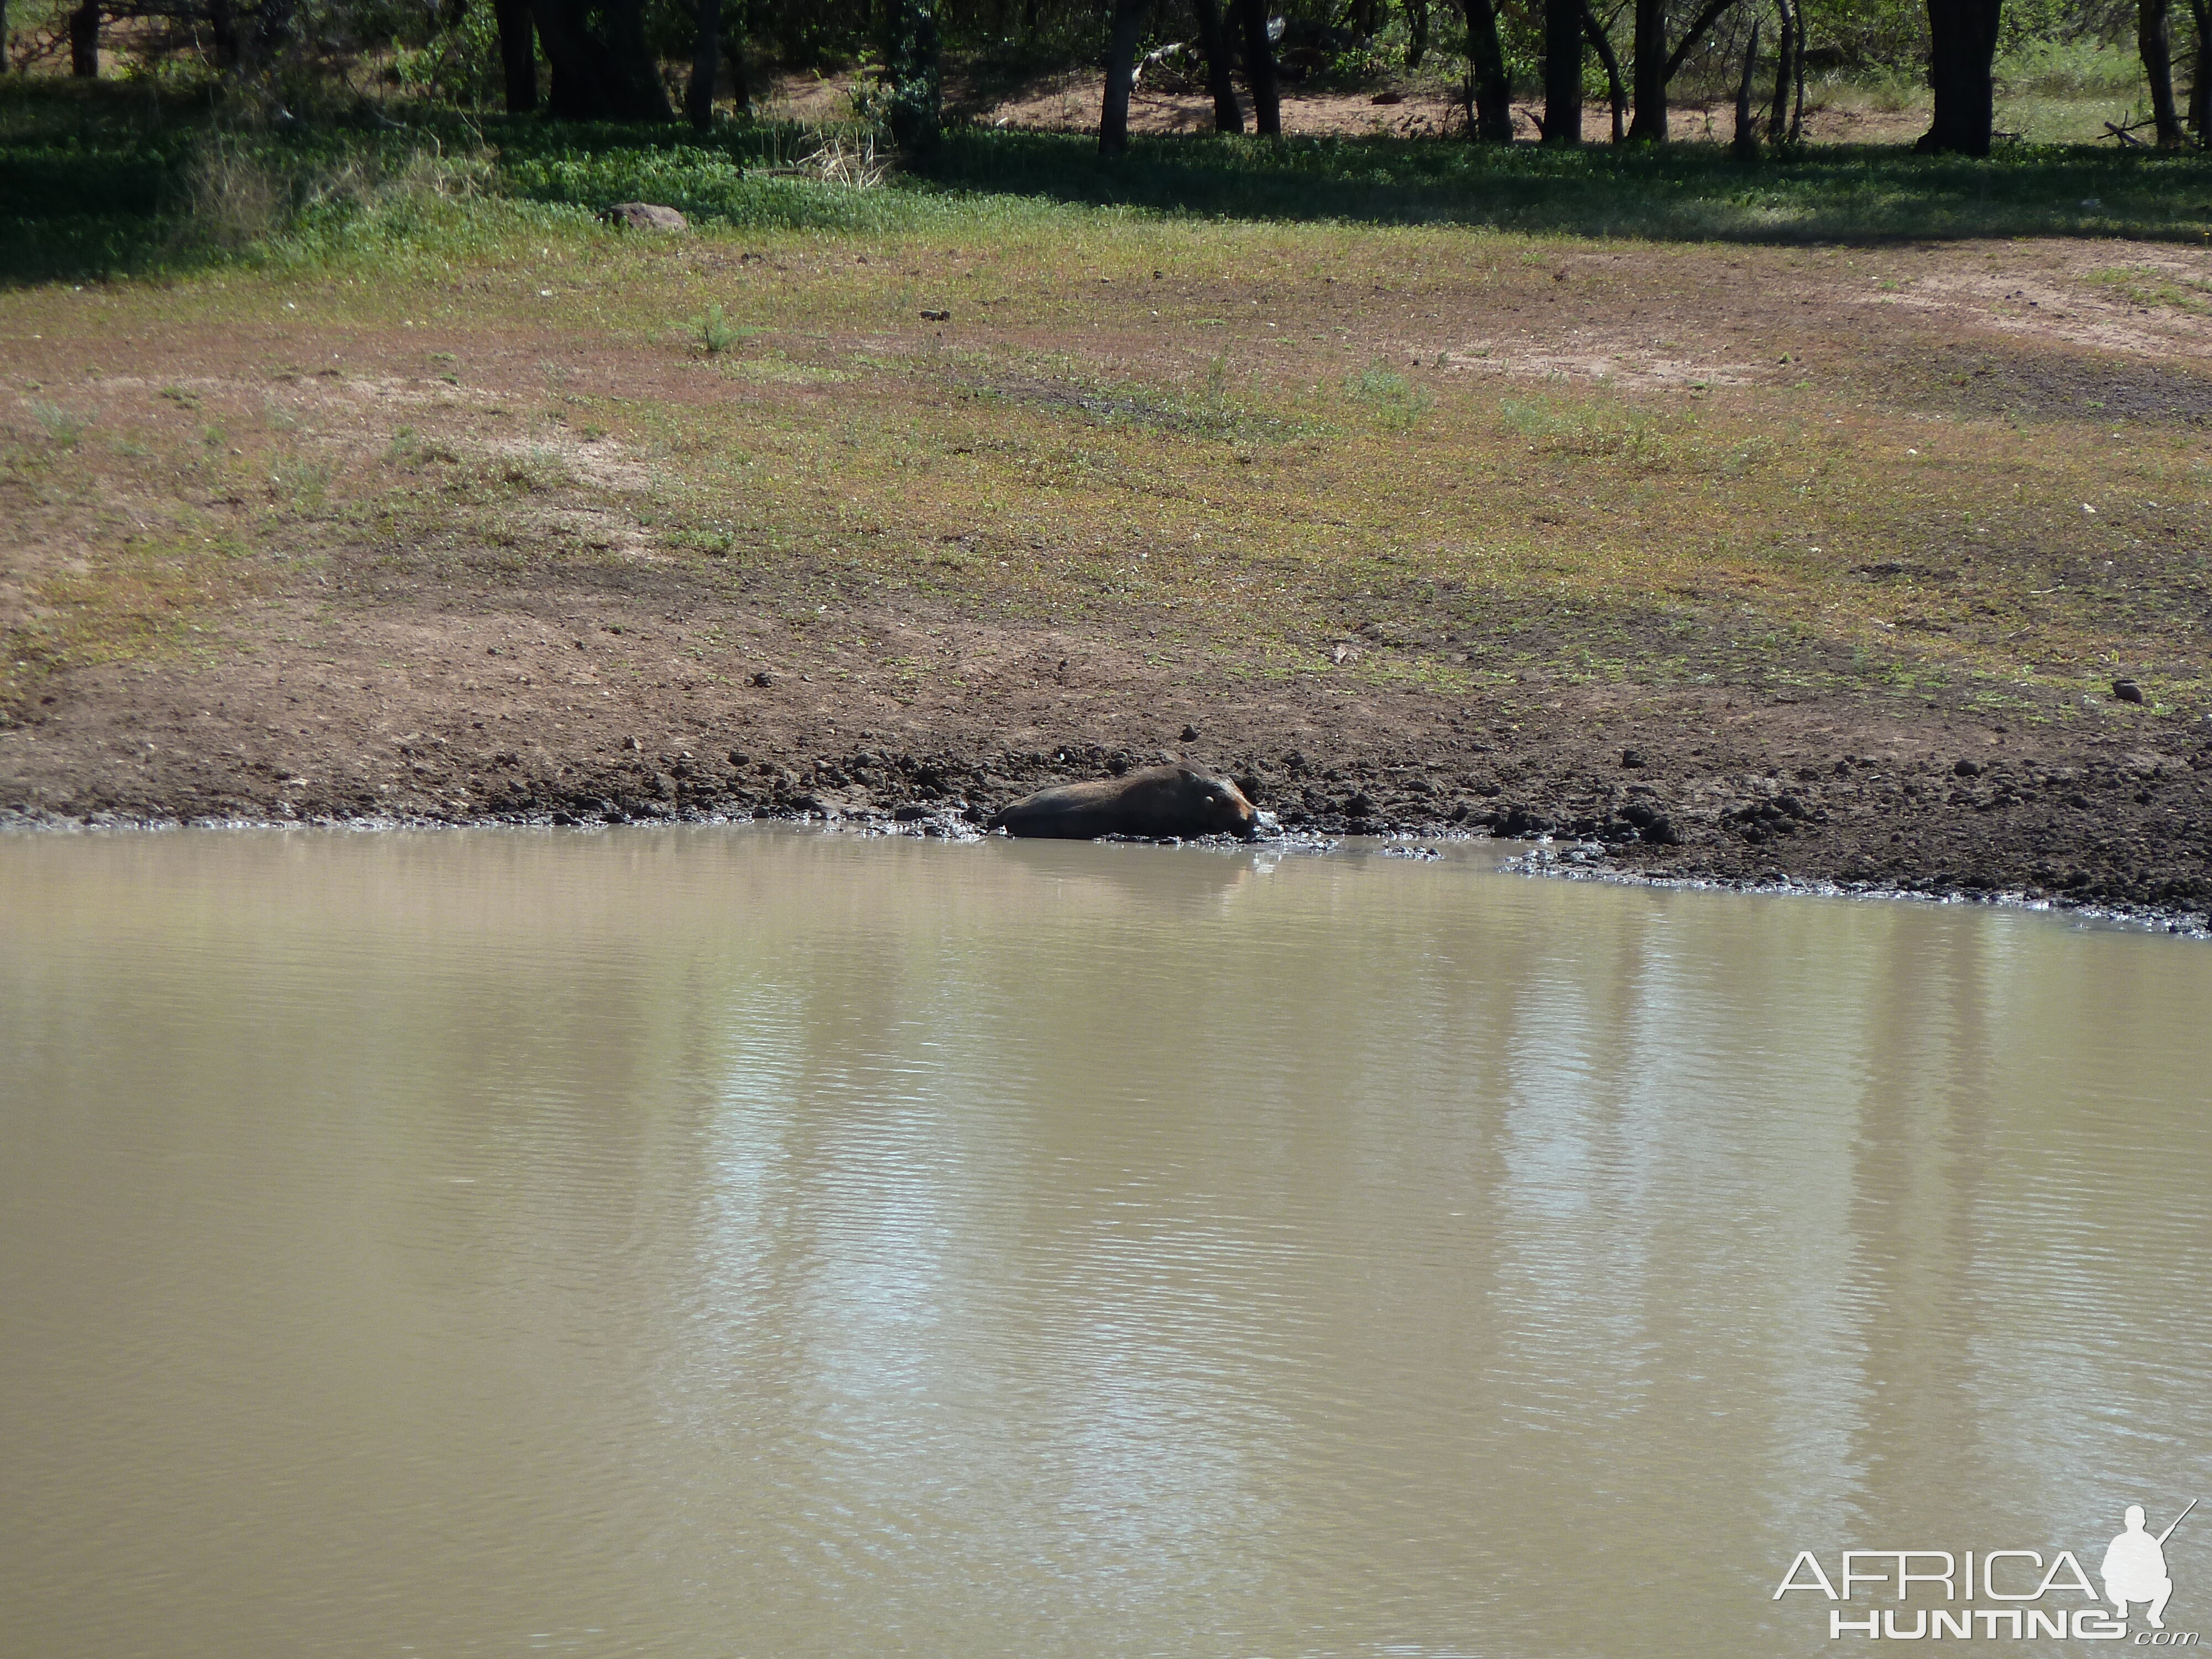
(1070, 102)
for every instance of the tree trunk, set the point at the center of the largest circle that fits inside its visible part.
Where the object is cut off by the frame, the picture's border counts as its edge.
(2154, 36)
(1616, 94)
(1493, 82)
(1221, 66)
(1121, 75)
(1962, 41)
(706, 63)
(1797, 71)
(734, 54)
(1745, 144)
(600, 74)
(1417, 33)
(2200, 80)
(84, 40)
(518, 54)
(1260, 68)
(222, 34)
(1650, 124)
(1785, 35)
(273, 30)
(1562, 72)
(917, 73)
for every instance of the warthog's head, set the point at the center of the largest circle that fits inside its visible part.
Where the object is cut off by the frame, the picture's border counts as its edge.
(1220, 804)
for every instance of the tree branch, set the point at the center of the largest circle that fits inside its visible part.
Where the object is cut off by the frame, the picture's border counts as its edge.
(1688, 44)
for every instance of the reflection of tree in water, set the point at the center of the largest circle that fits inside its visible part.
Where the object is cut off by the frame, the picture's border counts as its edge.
(1023, 1239)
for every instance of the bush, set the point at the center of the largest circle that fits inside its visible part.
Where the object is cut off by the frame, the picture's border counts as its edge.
(234, 198)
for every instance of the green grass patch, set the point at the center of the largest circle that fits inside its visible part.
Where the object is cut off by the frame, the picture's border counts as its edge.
(2148, 285)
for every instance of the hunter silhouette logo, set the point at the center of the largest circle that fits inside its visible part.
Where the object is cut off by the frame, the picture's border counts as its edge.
(2135, 1567)
(2033, 1595)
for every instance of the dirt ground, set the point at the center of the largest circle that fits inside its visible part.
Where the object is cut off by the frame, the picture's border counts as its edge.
(362, 664)
(1165, 104)
(509, 715)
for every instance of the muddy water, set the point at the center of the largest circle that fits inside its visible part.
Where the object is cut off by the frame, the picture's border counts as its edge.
(704, 1242)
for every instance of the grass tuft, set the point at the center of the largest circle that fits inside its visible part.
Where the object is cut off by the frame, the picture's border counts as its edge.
(713, 332)
(63, 427)
(1395, 402)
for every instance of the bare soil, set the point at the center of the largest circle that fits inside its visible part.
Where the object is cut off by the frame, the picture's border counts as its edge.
(506, 710)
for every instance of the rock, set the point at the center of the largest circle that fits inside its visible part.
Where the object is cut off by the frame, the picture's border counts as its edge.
(644, 215)
(1632, 757)
(2127, 691)
(1516, 823)
(1966, 769)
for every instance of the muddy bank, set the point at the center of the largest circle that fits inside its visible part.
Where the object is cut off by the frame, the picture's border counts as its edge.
(606, 715)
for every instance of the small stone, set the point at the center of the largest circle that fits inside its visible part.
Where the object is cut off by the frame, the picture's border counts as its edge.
(738, 757)
(2127, 691)
(644, 215)
(1632, 757)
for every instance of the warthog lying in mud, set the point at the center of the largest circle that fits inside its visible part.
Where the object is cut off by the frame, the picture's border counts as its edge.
(1160, 800)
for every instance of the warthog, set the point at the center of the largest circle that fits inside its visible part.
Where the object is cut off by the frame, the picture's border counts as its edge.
(1160, 800)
